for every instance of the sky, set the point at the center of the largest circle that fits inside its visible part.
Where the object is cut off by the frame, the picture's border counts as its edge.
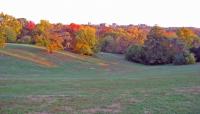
(166, 13)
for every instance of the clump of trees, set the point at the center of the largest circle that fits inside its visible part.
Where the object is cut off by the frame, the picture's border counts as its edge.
(159, 49)
(48, 37)
(119, 39)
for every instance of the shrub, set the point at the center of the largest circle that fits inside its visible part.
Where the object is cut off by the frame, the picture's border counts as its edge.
(190, 59)
(122, 44)
(156, 51)
(108, 44)
(196, 52)
(135, 53)
(184, 58)
(40, 40)
(25, 40)
(83, 49)
(116, 43)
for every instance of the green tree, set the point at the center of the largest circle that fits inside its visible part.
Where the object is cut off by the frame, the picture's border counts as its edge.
(156, 32)
(11, 35)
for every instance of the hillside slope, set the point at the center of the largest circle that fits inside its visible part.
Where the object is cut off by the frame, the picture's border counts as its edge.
(35, 82)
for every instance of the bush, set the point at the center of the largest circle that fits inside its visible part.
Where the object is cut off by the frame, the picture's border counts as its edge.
(83, 49)
(184, 58)
(40, 40)
(196, 52)
(115, 44)
(25, 40)
(157, 52)
(108, 44)
(135, 53)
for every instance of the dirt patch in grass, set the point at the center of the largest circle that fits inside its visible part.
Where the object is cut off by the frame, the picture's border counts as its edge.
(39, 113)
(113, 108)
(103, 65)
(191, 90)
(66, 109)
(40, 98)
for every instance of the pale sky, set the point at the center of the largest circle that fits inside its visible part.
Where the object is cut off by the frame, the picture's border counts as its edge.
(162, 12)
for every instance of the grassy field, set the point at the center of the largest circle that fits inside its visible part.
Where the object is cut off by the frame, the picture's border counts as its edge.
(35, 82)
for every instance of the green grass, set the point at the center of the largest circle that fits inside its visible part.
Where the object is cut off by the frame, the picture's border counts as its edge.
(104, 84)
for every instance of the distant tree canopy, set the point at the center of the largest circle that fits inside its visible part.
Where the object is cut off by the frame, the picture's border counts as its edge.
(118, 40)
(188, 36)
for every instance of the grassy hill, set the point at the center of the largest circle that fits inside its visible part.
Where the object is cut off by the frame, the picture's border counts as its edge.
(35, 82)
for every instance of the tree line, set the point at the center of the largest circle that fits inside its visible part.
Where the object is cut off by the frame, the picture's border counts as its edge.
(146, 45)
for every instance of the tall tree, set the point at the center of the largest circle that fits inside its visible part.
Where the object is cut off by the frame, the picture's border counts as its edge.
(86, 41)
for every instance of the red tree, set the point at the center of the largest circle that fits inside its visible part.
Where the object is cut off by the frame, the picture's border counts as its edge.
(74, 27)
(30, 25)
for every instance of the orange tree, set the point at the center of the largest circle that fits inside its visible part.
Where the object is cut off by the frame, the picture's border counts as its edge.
(47, 37)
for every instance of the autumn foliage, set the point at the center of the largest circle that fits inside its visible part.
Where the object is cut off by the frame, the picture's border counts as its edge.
(158, 49)
(2, 43)
(74, 27)
(86, 40)
(48, 37)
(30, 25)
(140, 43)
(188, 36)
(9, 28)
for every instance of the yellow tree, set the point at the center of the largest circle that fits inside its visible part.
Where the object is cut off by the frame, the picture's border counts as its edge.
(188, 36)
(86, 41)
(44, 26)
(10, 27)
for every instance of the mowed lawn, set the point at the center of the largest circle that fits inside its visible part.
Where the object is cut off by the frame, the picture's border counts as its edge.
(35, 82)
